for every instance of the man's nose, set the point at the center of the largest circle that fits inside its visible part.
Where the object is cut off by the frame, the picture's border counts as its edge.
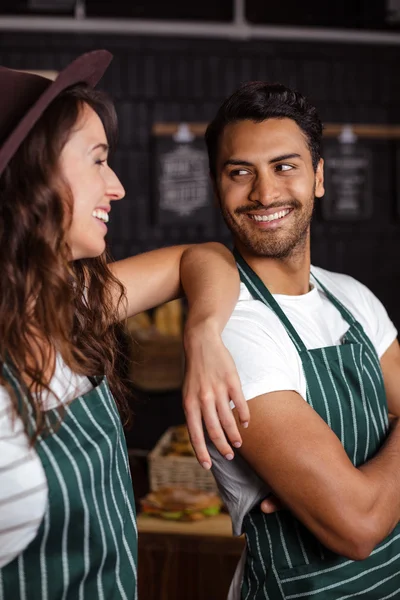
(265, 189)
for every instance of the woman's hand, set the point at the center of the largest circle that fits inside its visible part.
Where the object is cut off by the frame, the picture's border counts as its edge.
(211, 381)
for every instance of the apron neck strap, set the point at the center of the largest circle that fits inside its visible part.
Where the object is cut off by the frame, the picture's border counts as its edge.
(347, 316)
(261, 292)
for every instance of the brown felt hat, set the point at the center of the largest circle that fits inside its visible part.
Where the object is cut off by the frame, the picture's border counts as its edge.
(25, 96)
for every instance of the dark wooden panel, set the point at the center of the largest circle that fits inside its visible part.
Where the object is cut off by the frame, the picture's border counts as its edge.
(183, 567)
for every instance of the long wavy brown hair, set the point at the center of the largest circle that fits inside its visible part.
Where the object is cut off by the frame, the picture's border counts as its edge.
(49, 303)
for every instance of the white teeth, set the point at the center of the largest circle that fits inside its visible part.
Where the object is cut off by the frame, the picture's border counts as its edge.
(277, 215)
(101, 214)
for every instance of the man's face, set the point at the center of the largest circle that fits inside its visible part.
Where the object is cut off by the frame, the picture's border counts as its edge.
(266, 185)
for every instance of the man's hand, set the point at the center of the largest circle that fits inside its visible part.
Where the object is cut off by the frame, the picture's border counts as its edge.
(271, 504)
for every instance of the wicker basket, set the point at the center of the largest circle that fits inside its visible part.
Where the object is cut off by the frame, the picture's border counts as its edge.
(177, 470)
(157, 361)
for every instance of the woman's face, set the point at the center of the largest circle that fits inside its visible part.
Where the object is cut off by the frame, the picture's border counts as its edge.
(93, 184)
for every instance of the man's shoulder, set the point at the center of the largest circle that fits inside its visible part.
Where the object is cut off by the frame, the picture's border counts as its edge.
(334, 276)
(363, 304)
(254, 324)
(340, 284)
(249, 308)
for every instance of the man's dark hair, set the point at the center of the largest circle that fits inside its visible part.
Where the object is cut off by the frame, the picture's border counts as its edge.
(258, 101)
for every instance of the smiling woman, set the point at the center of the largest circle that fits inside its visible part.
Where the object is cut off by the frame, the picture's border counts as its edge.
(92, 182)
(66, 498)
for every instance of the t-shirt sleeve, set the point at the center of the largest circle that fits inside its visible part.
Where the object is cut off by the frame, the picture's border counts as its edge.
(23, 486)
(266, 362)
(265, 358)
(381, 328)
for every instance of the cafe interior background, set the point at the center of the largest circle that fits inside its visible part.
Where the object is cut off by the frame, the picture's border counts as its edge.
(174, 63)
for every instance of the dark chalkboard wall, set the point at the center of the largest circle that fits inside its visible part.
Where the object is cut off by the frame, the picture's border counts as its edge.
(182, 80)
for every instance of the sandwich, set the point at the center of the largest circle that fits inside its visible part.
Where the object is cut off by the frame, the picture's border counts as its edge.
(181, 504)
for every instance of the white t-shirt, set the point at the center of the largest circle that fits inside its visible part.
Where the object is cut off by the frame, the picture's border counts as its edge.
(23, 485)
(267, 360)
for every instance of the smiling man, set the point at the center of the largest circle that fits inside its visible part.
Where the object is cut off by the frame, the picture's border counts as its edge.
(320, 366)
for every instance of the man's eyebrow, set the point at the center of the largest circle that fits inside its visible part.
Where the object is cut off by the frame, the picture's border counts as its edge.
(284, 157)
(237, 163)
(102, 146)
(244, 163)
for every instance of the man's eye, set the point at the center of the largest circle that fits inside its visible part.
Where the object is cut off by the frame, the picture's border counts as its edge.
(284, 167)
(239, 172)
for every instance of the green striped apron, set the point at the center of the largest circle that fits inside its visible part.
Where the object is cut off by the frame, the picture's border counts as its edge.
(86, 546)
(345, 387)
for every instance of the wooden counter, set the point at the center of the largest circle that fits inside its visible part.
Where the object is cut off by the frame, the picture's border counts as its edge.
(186, 561)
(219, 526)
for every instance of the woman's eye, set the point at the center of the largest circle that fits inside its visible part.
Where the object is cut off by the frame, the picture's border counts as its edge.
(101, 162)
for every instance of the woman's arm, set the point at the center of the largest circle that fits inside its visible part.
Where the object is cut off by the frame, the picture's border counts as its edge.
(150, 279)
(207, 274)
(211, 283)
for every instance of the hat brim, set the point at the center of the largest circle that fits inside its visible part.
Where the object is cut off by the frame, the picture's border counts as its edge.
(88, 68)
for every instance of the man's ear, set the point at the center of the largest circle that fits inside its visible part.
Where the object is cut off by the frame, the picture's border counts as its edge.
(319, 179)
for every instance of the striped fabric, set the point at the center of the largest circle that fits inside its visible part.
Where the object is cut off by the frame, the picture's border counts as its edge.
(86, 547)
(23, 487)
(345, 387)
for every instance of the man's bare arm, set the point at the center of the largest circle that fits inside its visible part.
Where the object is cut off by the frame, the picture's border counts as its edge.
(348, 509)
(390, 364)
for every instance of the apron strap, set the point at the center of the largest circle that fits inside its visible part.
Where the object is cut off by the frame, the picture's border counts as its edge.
(346, 314)
(257, 287)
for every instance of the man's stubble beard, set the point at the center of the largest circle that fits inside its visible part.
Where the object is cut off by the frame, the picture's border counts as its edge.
(274, 243)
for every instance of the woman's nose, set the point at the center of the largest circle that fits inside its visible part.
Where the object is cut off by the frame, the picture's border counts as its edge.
(115, 189)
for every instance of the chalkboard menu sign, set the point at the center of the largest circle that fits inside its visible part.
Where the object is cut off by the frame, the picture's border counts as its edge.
(348, 181)
(183, 192)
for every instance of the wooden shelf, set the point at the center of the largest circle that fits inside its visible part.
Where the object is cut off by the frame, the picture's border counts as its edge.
(383, 131)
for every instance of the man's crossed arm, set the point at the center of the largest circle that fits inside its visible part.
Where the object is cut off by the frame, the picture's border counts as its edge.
(350, 510)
